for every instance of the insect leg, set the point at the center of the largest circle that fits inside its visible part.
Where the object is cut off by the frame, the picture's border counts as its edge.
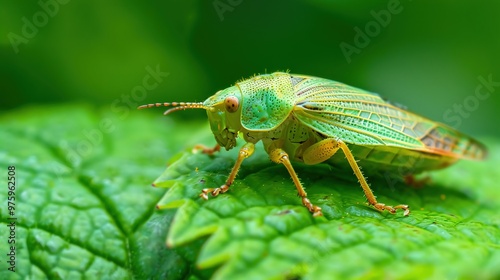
(320, 151)
(245, 151)
(206, 150)
(366, 188)
(280, 156)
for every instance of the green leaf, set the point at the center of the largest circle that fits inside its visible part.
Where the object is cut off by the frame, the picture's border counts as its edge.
(260, 230)
(85, 208)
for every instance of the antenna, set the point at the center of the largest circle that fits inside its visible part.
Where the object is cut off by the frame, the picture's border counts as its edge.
(178, 106)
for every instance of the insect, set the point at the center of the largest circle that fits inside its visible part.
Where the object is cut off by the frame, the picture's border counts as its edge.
(308, 119)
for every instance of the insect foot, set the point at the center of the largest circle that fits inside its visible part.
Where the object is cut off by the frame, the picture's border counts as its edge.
(315, 210)
(214, 191)
(391, 209)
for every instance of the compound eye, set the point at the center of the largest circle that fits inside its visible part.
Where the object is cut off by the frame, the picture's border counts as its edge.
(232, 103)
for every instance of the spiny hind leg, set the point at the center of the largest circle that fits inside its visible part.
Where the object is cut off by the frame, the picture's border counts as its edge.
(245, 151)
(326, 148)
(278, 155)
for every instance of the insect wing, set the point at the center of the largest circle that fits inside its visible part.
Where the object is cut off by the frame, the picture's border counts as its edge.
(359, 117)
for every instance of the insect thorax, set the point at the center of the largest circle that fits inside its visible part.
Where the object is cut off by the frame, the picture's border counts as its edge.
(292, 136)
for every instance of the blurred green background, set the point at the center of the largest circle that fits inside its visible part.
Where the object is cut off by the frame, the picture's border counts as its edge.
(427, 55)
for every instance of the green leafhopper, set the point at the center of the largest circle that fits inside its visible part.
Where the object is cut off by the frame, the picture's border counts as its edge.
(308, 119)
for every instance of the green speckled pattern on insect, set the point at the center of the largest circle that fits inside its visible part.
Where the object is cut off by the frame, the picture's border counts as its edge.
(267, 102)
